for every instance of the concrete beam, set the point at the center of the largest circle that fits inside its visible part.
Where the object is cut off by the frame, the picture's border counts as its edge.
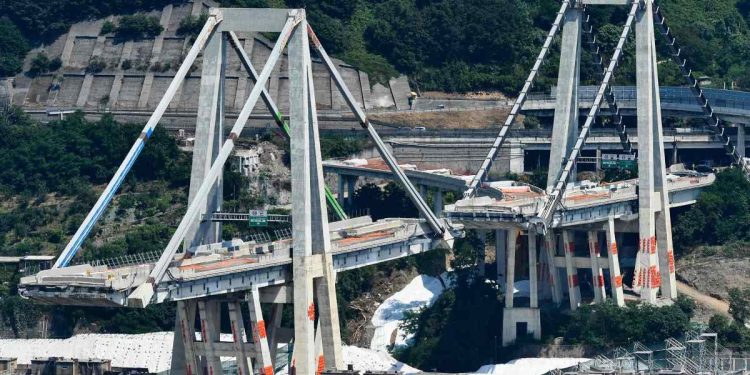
(565, 126)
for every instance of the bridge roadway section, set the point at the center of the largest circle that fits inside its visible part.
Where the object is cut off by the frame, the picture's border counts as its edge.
(230, 268)
(731, 106)
(581, 205)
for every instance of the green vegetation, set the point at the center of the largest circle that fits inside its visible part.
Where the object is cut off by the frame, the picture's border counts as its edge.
(42, 64)
(606, 325)
(342, 147)
(68, 156)
(451, 45)
(734, 334)
(137, 27)
(715, 219)
(13, 48)
(455, 334)
(192, 25)
(45, 20)
(52, 179)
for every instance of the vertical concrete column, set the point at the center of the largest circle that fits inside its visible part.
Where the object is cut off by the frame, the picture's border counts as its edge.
(614, 264)
(340, 191)
(209, 137)
(597, 276)
(184, 359)
(501, 243)
(647, 277)
(239, 338)
(510, 270)
(351, 185)
(517, 159)
(741, 138)
(210, 322)
(482, 252)
(565, 126)
(260, 336)
(277, 312)
(574, 291)
(311, 238)
(302, 219)
(550, 247)
(533, 282)
(437, 202)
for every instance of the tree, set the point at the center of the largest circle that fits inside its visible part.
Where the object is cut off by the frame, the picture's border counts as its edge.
(714, 219)
(13, 48)
(739, 304)
(137, 27)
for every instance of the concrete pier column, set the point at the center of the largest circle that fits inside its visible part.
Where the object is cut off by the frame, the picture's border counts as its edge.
(741, 140)
(260, 335)
(565, 126)
(533, 264)
(437, 202)
(517, 158)
(351, 185)
(510, 270)
(597, 276)
(550, 247)
(574, 291)
(651, 173)
(501, 243)
(423, 194)
(239, 337)
(277, 312)
(482, 252)
(614, 264)
(184, 359)
(210, 322)
(341, 189)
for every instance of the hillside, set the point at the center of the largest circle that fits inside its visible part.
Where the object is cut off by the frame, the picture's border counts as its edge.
(444, 45)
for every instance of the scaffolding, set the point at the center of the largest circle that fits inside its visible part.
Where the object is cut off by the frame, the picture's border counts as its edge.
(698, 352)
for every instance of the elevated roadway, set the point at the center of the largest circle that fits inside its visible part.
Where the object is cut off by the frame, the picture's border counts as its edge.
(582, 204)
(230, 268)
(730, 105)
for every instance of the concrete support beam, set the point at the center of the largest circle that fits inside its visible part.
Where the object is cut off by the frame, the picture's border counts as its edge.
(341, 190)
(501, 245)
(209, 136)
(277, 312)
(263, 362)
(351, 189)
(510, 270)
(311, 238)
(574, 291)
(651, 164)
(210, 323)
(614, 264)
(482, 253)
(528, 316)
(184, 359)
(597, 276)
(437, 202)
(533, 280)
(550, 247)
(239, 337)
(565, 126)
(741, 148)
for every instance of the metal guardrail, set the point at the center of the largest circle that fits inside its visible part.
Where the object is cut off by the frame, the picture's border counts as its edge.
(124, 260)
(669, 95)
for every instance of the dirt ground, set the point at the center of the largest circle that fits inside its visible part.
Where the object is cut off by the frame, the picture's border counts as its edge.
(474, 119)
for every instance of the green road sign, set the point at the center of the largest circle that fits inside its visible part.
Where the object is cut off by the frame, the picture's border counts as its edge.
(619, 161)
(258, 218)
